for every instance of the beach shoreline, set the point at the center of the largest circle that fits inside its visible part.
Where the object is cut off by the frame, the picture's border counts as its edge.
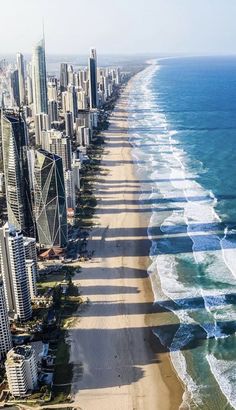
(118, 362)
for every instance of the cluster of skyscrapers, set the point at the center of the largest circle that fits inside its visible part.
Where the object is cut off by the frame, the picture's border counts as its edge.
(46, 123)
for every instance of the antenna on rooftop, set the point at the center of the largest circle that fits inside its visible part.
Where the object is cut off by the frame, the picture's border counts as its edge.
(43, 31)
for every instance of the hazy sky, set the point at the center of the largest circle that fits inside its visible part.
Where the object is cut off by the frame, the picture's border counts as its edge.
(120, 26)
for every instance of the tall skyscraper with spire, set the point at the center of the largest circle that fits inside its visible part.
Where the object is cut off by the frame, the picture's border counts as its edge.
(39, 77)
(21, 77)
(92, 63)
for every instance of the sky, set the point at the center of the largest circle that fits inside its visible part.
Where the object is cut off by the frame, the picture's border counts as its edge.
(119, 26)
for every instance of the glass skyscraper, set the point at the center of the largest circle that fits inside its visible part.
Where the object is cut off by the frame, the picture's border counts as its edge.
(21, 77)
(39, 78)
(93, 78)
(16, 172)
(50, 200)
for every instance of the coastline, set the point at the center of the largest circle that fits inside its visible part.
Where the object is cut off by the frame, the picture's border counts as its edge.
(118, 362)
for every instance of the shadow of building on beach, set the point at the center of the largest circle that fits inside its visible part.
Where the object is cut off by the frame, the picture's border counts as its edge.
(89, 273)
(118, 370)
(108, 290)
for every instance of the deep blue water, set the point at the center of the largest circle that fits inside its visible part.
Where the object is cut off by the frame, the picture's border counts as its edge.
(183, 130)
(199, 99)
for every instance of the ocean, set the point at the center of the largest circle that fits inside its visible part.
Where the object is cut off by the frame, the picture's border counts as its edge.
(182, 125)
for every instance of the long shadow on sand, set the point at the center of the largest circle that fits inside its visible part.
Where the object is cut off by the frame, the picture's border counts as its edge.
(120, 368)
(219, 227)
(142, 181)
(136, 210)
(167, 246)
(121, 364)
(117, 273)
(150, 201)
(108, 290)
(117, 308)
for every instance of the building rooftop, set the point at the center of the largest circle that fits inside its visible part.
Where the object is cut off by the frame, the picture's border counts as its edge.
(19, 353)
(48, 154)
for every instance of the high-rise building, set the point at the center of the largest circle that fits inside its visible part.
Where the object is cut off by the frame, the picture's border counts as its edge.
(52, 89)
(83, 136)
(31, 265)
(76, 165)
(16, 172)
(82, 77)
(21, 77)
(84, 118)
(58, 143)
(31, 275)
(5, 333)
(69, 124)
(93, 78)
(52, 112)
(21, 370)
(70, 189)
(70, 74)
(82, 100)
(14, 273)
(15, 92)
(64, 102)
(29, 84)
(63, 77)
(39, 77)
(50, 200)
(30, 249)
(41, 123)
(72, 101)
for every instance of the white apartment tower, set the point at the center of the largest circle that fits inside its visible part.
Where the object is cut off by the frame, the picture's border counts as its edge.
(52, 90)
(14, 273)
(21, 369)
(5, 334)
(70, 189)
(31, 265)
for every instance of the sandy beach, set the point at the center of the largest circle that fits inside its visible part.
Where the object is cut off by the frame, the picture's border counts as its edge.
(117, 364)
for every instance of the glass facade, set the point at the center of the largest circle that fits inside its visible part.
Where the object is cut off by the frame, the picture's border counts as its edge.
(50, 200)
(16, 173)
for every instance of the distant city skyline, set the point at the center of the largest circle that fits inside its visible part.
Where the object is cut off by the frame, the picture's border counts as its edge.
(134, 26)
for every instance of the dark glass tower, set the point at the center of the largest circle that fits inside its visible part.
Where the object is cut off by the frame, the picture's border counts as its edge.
(15, 91)
(50, 200)
(16, 172)
(93, 78)
(63, 77)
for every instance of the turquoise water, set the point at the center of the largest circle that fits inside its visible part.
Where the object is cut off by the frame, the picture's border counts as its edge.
(182, 118)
